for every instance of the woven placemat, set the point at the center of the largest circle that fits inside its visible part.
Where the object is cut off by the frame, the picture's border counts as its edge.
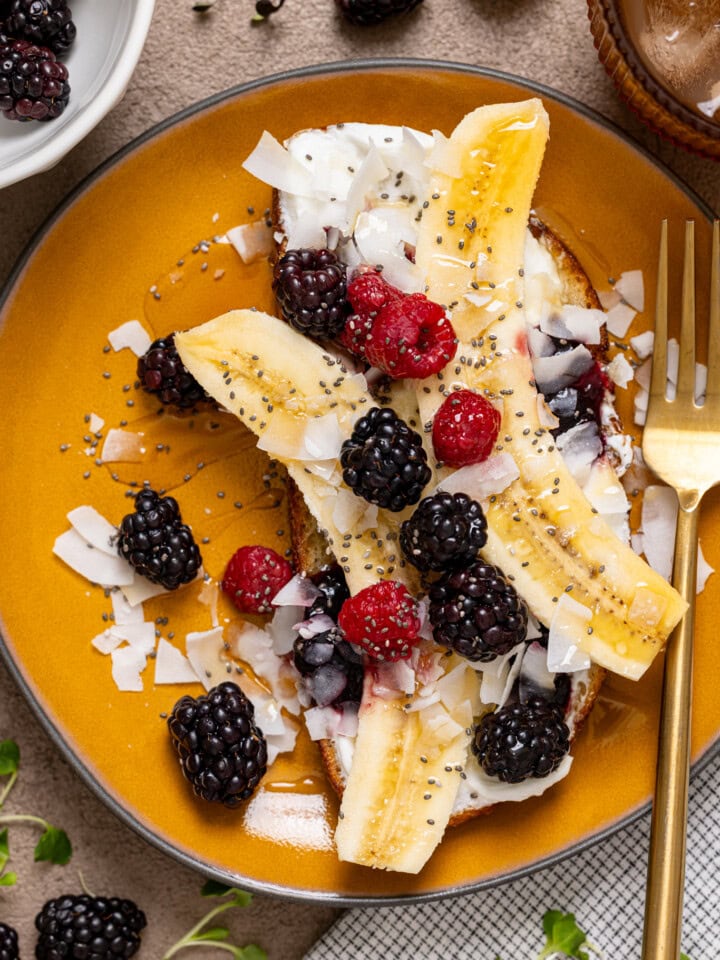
(604, 887)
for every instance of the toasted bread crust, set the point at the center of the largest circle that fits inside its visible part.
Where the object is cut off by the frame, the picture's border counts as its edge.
(312, 552)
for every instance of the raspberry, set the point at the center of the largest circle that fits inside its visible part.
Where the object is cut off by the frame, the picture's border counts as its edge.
(221, 750)
(465, 429)
(411, 337)
(521, 740)
(253, 577)
(80, 927)
(383, 619)
(33, 85)
(367, 294)
(311, 291)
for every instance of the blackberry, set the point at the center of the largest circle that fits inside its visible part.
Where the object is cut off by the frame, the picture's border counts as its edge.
(521, 740)
(365, 13)
(331, 668)
(156, 542)
(33, 85)
(221, 751)
(477, 613)
(333, 592)
(88, 928)
(48, 23)
(8, 943)
(311, 289)
(384, 460)
(162, 373)
(445, 531)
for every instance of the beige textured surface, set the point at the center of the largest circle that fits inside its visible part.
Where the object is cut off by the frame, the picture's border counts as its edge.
(188, 57)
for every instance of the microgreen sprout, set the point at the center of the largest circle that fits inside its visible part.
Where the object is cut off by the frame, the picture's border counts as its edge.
(210, 936)
(564, 937)
(264, 9)
(54, 844)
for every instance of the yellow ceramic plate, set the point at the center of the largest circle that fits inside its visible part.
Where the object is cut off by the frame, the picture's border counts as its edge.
(129, 245)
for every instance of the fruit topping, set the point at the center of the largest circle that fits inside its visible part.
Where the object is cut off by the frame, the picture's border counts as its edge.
(367, 293)
(411, 337)
(477, 612)
(156, 543)
(221, 750)
(331, 668)
(33, 85)
(47, 23)
(333, 592)
(8, 943)
(383, 619)
(365, 13)
(384, 460)
(253, 576)
(98, 928)
(521, 740)
(445, 531)
(310, 288)
(465, 429)
(162, 373)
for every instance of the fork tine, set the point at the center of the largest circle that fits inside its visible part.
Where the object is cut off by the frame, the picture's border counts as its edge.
(658, 377)
(713, 384)
(686, 367)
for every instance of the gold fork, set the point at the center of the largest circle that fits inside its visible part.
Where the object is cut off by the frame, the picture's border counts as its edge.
(681, 444)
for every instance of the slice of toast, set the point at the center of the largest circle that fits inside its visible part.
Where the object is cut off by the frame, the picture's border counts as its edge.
(312, 552)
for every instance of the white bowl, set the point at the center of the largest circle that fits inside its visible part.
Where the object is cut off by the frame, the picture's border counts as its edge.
(110, 39)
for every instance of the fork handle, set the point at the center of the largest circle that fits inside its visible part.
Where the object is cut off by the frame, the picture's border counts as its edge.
(666, 864)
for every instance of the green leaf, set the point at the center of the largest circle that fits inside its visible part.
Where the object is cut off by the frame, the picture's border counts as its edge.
(563, 936)
(8, 879)
(212, 888)
(241, 898)
(252, 952)
(214, 933)
(4, 848)
(54, 845)
(684, 956)
(9, 757)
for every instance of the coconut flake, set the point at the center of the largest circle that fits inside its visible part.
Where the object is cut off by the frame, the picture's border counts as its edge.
(380, 237)
(658, 521)
(323, 723)
(367, 177)
(539, 343)
(320, 440)
(535, 678)
(499, 675)
(299, 591)
(581, 324)
(132, 335)
(620, 371)
(567, 627)
(483, 480)
(314, 626)
(171, 666)
(127, 665)
(252, 241)
(95, 529)
(561, 369)
(96, 423)
(282, 630)
(619, 318)
(631, 288)
(141, 636)
(204, 649)
(255, 647)
(91, 563)
(643, 343)
(281, 743)
(123, 446)
(353, 514)
(546, 417)
(608, 298)
(704, 570)
(580, 446)
(479, 790)
(444, 156)
(123, 612)
(141, 589)
(106, 642)
(276, 166)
